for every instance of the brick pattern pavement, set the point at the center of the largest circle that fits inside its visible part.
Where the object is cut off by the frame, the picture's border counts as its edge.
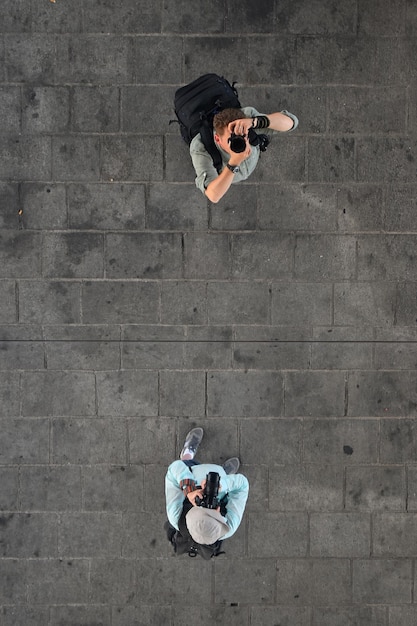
(282, 320)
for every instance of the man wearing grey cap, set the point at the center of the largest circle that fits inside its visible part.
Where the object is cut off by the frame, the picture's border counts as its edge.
(192, 528)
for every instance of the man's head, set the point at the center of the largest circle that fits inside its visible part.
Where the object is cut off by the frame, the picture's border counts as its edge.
(205, 526)
(221, 123)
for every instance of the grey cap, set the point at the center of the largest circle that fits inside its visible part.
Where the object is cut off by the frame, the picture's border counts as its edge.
(206, 526)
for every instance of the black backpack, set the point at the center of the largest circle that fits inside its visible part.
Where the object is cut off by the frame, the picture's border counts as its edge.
(197, 103)
(183, 543)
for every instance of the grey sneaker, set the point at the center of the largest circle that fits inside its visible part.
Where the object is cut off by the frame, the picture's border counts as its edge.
(231, 466)
(192, 441)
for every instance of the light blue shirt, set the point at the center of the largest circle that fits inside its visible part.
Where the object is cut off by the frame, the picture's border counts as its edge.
(235, 485)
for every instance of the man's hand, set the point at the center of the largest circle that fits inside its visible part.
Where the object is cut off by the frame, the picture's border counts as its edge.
(194, 494)
(241, 127)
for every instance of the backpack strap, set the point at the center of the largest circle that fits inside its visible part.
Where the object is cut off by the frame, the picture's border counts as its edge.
(206, 132)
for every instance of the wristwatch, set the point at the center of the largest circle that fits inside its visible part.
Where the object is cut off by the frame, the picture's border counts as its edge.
(233, 168)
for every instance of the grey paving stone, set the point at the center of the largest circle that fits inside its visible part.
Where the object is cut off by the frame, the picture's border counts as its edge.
(8, 312)
(285, 161)
(49, 302)
(120, 302)
(340, 535)
(28, 535)
(380, 393)
(139, 615)
(112, 488)
(80, 615)
(58, 393)
(390, 579)
(130, 393)
(154, 477)
(314, 582)
(178, 165)
(232, 615)
(360, 616)
(133, 543)
(386, 257)
(43, 206)
(245, 394)
(321, 18)
(276, 57)
(207, 355)
(103, 59)
(24, 441)
(148, 60)
(184, 302)
(21, 355)
(127, 158)
(13, 580)
(399, 208)
(259, 574)
(106, 206)
(45, 110)
(322, 257)
(220, 441)
(351, 201)
(55, 19)
(90, 534)
(207, 256)
(398, 441)
(361, 304)
(306, 487)
(287, 616)
(9, 493)
(152, 355)
(268, 255)
(17, 18)
(10, 106)
(344, 356)
(95, 109)
(271, 441)
(287, 534)
(15, 615)
(9, 206)
(237, 303)
(340, 441)
(182, 393)
(152, 440)
(130, 16)
(371, 22)
(242, 17)
(394, 534)
(271, 356)
(75, 158)
(30, 58)
(20, 254)
(57, 581)
(349, 60)
(82, 355)
(50, 488)
(405, 615)
(222, 55)
(367, 110)
(88, 442)
(144, 255)
(231, 214)
(373, 154)
(375, 488)
(175, 207)
(405, 305)
(308, 393)
(155, 105)
(301, 303)
(73, 255)
(297, 207)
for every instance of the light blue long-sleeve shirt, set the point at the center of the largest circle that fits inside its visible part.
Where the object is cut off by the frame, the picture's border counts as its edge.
(235, 485)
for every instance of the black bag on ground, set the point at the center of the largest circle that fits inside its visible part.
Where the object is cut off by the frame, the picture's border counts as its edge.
(197, 103)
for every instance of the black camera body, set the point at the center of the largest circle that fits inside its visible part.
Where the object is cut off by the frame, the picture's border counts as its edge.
(238, 142)
(210, 493)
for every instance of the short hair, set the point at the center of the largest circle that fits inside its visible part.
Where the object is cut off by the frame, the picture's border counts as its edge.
(222, 119)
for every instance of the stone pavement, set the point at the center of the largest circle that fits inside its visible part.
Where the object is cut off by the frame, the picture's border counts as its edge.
(282, 320)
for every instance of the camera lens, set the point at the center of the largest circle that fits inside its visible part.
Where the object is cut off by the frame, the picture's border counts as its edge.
(237, 143)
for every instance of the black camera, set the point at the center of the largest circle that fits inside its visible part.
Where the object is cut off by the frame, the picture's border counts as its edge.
(210, 493)
(238, 142)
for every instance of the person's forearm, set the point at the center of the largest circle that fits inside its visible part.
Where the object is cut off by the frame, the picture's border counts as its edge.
(279, 121)
(220, 185)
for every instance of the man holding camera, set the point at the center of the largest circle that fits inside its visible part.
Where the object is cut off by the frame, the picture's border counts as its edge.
(204, 502)
(249, 126)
